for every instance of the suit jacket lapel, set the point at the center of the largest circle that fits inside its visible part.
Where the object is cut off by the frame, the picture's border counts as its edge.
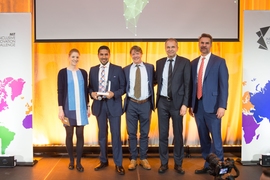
(128, 72)
(96, 71)
(127, 76)
(161, 67)
(196, 62)
(163, 63)
(176, 65)
(147, 70)
(110, 71)
(209, 66)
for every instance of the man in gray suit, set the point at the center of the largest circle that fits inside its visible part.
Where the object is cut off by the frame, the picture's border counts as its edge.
(173, 78)
(139, 103)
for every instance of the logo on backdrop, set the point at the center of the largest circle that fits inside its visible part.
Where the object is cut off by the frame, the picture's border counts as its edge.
(8, 40)
(264, 38)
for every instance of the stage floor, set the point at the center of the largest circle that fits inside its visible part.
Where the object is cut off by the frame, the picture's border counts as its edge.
(55, 168)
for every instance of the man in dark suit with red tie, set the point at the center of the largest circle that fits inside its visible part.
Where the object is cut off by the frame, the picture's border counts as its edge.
(173, 79)
(139, 103)
(209, 99)
(108, 107)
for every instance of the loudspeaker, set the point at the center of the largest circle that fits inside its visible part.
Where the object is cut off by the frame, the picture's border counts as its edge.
(7, 161)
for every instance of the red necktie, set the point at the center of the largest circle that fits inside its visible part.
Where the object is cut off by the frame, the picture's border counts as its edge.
(200, 80)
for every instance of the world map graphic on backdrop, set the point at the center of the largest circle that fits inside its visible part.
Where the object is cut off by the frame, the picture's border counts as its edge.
(254, 111)
(10, 90)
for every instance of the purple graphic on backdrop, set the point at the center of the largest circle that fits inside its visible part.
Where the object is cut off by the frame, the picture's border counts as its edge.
(249, 127)
(256, 105)
(27, 122)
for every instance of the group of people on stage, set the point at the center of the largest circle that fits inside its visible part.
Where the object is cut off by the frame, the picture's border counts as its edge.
(200, 85)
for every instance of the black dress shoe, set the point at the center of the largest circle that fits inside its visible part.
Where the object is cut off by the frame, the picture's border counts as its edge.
(71, 166)
(204, 170)
(163, 168)
(179, 169)
(101, 165)
(79, 168)
(120, 170)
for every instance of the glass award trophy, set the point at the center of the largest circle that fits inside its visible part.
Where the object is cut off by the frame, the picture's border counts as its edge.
(107, 88)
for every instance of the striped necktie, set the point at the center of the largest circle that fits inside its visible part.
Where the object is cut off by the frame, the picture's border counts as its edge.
(102, 80)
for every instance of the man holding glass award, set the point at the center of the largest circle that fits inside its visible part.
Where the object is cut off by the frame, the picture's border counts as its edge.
(106, 87)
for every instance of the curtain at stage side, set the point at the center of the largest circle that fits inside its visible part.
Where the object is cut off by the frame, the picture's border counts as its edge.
(50, 57)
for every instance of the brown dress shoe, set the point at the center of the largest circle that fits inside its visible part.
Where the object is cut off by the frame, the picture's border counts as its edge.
(179, 169)
(163, 168)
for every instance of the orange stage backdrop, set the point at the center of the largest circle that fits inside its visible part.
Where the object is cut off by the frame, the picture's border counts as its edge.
(49, 58)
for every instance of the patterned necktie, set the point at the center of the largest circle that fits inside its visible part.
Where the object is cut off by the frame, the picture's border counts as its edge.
(137, 87)
(102, 80)
(169, 87)
(200, 80)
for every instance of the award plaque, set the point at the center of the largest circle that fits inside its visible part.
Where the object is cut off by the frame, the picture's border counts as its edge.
(107, 88)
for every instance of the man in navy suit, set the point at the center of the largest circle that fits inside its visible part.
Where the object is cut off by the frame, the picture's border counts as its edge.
(139, 103)
(209, 101)
(108, 106)
(173, 78)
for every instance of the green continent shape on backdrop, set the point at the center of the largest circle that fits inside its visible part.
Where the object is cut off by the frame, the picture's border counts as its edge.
(6, 137)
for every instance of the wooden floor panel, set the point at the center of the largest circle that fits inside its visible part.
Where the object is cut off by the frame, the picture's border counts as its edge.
(56, 168)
